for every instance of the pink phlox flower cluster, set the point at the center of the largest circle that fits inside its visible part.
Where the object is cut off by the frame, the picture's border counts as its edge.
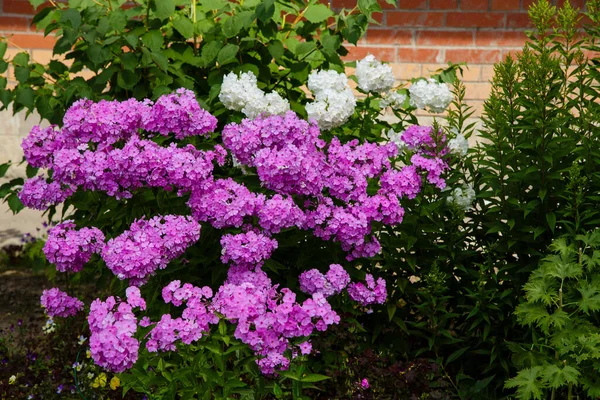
(38, 194)
(333, 282)
(134, 298)
(223, 203)
(112, 342)
(291, 170)
(245, 139)
(194, 322)
(279, 213)
(352, 164)
(40, 144)
(69, 249)
(267, 318)
(179, 113)
(404, 183)
(372, 293)
(434, 167)
(104, 122)
(149, 245)
(284, 150)
(350, 226)
(423, 139)
(59, 304)
(247, 249)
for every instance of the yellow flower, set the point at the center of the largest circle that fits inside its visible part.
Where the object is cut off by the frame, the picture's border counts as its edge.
(115, 382)
(12, 380)
(100, 381)
(88, 353)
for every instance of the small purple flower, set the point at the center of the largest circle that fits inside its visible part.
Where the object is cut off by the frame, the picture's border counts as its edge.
(364, 383)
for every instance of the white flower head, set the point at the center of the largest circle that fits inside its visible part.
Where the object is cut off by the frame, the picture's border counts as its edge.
(462, 197)
(374, 76)
(430, 94)
(459, 146)
(237, 92)
(268, 104)
(394, 100)
(12, 379)
(334, 101)
(242, 94)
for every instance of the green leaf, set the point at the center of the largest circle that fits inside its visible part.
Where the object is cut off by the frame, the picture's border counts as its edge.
(3, 47)
(557, 377)
(265, 10)
(127, 79)
(276, 49)
(227, 54)
(232, 26)
(184, 26)
(314, 378)
(528, 383)
(210, 51)
(551, 220)
(14, 203)
(37, 3)
(26, 97)
(456, 354)
(317, 13)
(163, 9)
(153, 40)
(31, 171)
(70, 17)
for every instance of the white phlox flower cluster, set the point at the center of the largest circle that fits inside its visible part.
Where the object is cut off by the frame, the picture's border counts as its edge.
(458, 146)
(462, 197)
(334, 101)
(374, 76)
(430, 94)
(242, 94)
(396, 138)
(394, 100)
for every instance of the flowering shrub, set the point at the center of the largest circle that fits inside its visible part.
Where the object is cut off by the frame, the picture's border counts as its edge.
(290, 159)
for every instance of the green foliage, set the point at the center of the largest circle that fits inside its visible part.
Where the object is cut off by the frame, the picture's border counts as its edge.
(562, 304)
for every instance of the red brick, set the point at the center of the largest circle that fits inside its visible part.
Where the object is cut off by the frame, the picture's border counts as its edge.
(14, 23)
(419, 55)
(413, 4)
(444, 38)
(474, 5)
(21, 7)
(30, 41)
(528, 3)
(500, 39)
(473, 56)
(407, 18)
(348, 4)
(518, 21)
(387, 54)
(389, 36)
(504, 5)
(443, 4)
(475, 20)
(513, 53)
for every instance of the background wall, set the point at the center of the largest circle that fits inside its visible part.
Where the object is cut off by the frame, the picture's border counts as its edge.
(416, 36)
